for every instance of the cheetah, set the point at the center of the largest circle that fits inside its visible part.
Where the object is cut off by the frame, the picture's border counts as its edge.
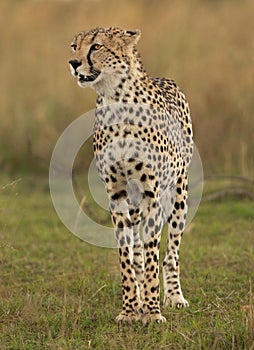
(143, 144)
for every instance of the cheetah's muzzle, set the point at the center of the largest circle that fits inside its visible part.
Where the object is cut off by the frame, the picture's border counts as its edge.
(88, 78)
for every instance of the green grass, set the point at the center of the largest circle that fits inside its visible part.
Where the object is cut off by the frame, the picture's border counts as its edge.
(57, 292)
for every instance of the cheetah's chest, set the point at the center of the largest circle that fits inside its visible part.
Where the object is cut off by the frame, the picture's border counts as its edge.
(127, 136)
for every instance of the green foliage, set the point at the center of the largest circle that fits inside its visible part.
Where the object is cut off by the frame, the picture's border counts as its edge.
(57, 292)
(204, 45)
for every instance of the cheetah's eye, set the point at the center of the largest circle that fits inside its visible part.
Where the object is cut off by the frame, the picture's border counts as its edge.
(96, 47)
(74, 47)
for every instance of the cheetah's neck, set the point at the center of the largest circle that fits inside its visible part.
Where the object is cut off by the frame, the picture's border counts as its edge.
(129, 86)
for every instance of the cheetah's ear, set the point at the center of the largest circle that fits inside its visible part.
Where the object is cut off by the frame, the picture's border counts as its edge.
(132, 36)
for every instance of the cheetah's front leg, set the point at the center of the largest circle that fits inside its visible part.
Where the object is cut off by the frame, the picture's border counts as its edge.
(130, 287)
(173, 295)
(138, 254)
(152, 227)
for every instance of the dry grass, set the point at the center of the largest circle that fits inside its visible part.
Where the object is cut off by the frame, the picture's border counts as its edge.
(205, 46)
(248, 318)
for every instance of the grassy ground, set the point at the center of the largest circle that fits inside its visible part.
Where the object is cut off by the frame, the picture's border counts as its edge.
(57, 292)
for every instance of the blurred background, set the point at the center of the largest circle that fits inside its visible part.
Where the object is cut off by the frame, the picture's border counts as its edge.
(207, 47)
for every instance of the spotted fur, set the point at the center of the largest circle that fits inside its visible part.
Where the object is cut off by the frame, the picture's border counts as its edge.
(143, 147)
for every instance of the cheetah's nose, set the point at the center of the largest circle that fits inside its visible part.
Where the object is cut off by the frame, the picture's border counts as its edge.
(75, 64)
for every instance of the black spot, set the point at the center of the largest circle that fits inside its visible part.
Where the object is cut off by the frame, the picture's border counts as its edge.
(126, 132)
(151, 222)
(149, 194)
(143, 178)
(112, 168)
(122, 242)
(113, 179)
(157, 228)
(181, 226)
(174, 224)
(179, 190)
(120, 224)
(139, 166)
(119, 195)
(128, 240)
(123, 265)
(151, 245)
(177, 206)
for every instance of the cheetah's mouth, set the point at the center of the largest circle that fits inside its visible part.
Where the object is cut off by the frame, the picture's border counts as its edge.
(82, 79)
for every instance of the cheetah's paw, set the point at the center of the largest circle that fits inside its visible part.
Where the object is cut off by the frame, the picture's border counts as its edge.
(158, 318)
(176, 301)
(127, 318)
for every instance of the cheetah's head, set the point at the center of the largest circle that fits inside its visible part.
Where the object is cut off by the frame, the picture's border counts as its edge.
(102, 55)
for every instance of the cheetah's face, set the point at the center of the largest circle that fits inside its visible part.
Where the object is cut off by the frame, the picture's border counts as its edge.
(101, 54)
